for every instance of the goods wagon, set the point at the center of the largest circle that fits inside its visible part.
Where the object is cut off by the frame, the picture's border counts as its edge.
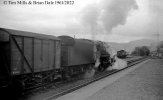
(27, 58)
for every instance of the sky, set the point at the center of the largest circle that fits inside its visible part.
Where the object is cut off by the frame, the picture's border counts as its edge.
(105, 20)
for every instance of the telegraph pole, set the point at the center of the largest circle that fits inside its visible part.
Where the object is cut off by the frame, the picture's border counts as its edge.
(158, 41)
(157, 34)
(158, 48)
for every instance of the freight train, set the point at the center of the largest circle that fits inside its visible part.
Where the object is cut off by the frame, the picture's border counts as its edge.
(28, 59)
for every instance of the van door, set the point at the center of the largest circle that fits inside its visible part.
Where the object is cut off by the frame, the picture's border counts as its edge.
(4, 72)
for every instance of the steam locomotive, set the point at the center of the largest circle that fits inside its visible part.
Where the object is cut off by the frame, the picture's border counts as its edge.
(121, 54)
(27, 58)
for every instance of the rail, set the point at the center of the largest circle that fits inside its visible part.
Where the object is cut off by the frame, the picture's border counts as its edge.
(96, 78)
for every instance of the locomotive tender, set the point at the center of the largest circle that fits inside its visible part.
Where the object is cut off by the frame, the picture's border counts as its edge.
(77, 55)
(28, 58)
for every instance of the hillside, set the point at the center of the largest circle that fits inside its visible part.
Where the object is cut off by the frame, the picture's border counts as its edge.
(131, 45)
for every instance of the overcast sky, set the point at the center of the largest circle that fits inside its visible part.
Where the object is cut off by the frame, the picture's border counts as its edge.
(107, 20)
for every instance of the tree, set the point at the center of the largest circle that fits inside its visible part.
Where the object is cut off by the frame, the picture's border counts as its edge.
(161, 44)
(145, 51)
(141, 51)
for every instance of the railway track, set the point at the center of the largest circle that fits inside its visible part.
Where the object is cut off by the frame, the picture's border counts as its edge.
(67, 86)
(81, 83)
(38, 86)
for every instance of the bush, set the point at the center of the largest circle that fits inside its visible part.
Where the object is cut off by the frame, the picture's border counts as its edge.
(141, 51)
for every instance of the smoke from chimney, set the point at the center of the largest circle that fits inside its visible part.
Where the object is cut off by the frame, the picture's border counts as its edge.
(107, 15)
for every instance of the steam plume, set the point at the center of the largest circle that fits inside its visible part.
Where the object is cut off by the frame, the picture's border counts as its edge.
(89, 17)
(107, 15)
